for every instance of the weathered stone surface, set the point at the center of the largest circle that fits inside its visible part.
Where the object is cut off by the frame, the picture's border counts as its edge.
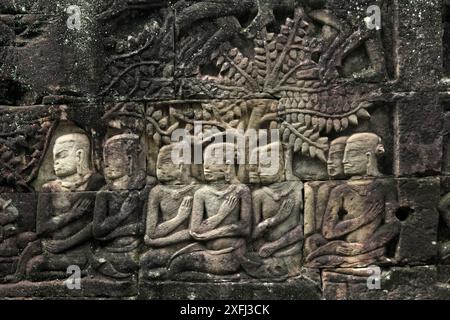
(405, 283)
(90, 288)
(418, 201)
(418, 150)
(295, 289)
(446, 143)
(17, 225)
(419, 44)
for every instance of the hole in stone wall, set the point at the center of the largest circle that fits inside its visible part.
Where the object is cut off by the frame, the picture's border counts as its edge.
(403, 213)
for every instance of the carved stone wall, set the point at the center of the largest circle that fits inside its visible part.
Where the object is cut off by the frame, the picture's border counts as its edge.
(94, 99)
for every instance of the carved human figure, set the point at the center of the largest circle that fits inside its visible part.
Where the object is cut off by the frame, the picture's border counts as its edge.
(64, 213)
(277, 219)
(221, 218)
(168, 214)
(117, 224)
(12, 241)
(355, 225)
(335, 167)
(317, 195)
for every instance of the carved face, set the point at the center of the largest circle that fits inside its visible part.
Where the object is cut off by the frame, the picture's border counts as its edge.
(355, 158)
(218, 162)
(253, 173)
(117, 162)
(270, 165)
(215, 172)
(334, 164)
(167, 171)
(264, 173)
(360, 155)
(65, 158)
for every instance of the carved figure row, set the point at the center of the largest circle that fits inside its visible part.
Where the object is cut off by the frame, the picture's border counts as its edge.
(208, 231)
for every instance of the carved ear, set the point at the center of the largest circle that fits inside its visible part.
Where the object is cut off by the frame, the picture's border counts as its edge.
(80, 158)
(184, 172)
(379, 149)
(79, 154)
(130, 165)
(228, 171)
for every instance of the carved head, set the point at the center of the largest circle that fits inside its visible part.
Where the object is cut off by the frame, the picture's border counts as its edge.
(335, 156)
(270, 165)
(219, 163)
(360, 155)
(7, 207)
(169, 171)
(121, 155)
(71, 155)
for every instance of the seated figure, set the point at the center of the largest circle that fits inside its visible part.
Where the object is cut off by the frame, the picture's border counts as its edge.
(318, 192)
(277, 219)
(168, 214)
(12, 241)
(221, 219)
(355, 225)
(64, 220)
(117, 225)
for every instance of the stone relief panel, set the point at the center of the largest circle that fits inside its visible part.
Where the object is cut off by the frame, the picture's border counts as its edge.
(17, 225)
(351, 223)
(313, 44)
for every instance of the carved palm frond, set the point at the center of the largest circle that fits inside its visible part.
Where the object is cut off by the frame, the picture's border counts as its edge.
(299, 67)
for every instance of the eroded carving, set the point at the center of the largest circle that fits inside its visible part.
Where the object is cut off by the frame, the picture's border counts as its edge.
(168, 214)
(277, 231)
(117, 226)
(64, 214)
(356, 226)
(220, 222)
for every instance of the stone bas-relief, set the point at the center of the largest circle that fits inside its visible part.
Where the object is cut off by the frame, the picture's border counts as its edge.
(356, 226)
(13, 239)
(220, 219)
(87, 177)
(168, 215)
(64, 213)
(277, 234)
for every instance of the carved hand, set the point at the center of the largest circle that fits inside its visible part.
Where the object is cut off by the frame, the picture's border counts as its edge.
(198, 236)
(350, 249)
(55, 246)
(228, 205)
(81, 207)
(185, 208)
(147, 240)
(286, 209)
(10, 230)
(130, 203)
(266, 251)
(285, 212)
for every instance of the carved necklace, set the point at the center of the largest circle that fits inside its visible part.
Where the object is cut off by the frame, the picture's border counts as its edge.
(73, 186)
(276, 191)
(178, 192)
(223, 193)
(362, 190)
